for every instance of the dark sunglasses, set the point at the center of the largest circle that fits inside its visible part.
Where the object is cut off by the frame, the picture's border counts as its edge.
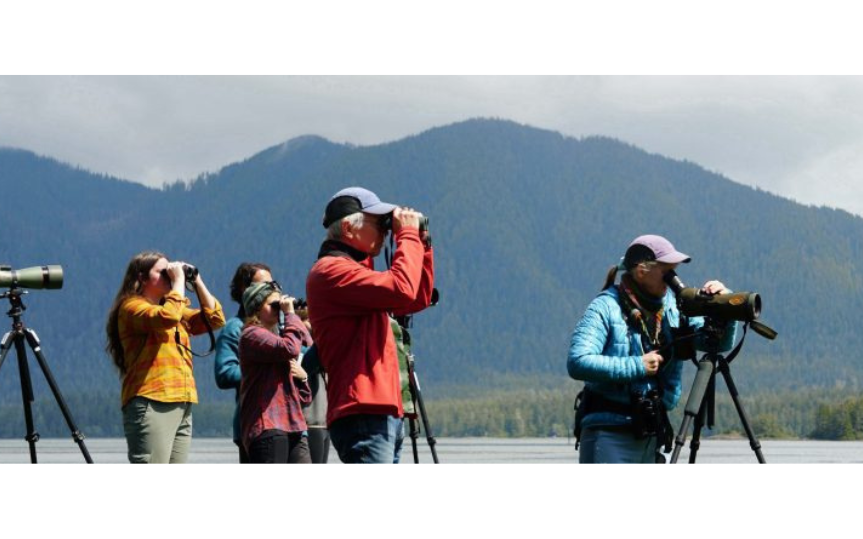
(275, 285)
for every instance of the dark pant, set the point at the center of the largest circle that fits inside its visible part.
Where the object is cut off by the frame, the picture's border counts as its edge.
(244, 457)
(615, 446)
(319, 445)
(368, 439)
(279, 447)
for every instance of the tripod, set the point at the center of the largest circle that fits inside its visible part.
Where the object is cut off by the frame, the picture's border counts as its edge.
(701, 402)
(17, 336)
(419, 410)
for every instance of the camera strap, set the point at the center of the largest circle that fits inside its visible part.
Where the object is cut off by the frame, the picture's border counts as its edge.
(206, 325)
(635, 314)
(390, 251)
(730, 357)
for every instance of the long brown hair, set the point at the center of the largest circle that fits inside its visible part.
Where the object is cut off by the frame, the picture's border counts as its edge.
(137, 270)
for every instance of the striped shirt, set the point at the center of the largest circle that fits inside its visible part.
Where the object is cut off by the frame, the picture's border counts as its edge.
(156, 366)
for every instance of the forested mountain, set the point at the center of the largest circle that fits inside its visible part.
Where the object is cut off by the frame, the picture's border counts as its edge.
(525, 223)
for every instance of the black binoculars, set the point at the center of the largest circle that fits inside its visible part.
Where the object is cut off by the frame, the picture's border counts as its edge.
(190, 271)
(299, 303)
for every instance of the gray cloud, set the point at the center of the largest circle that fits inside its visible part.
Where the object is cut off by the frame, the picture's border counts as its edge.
(801, 137)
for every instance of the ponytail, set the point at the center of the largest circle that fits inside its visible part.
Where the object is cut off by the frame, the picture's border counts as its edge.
(610, 277)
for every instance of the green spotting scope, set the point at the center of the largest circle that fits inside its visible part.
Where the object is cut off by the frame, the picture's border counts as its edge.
(37, 277)
(742, 306)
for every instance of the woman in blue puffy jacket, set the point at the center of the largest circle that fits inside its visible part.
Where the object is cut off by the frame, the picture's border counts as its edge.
(622, 348)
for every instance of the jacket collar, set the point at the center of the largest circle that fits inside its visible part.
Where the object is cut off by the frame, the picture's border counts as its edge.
(337, 248)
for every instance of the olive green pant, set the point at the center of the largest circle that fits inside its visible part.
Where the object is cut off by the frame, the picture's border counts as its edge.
(157, 432)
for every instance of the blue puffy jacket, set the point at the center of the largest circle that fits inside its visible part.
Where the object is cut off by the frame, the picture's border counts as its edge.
(606, 353)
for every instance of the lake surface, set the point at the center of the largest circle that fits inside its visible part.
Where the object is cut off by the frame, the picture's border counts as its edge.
(454, 450)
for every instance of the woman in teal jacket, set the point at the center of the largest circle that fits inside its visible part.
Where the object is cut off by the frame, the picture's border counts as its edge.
(622, 349)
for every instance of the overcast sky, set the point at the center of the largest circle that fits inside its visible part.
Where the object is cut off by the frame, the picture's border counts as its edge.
(800, 137)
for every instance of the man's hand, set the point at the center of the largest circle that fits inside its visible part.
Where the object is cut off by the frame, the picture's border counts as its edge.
(405, 218)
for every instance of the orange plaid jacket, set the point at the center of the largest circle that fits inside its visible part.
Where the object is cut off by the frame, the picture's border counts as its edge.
(156, 366)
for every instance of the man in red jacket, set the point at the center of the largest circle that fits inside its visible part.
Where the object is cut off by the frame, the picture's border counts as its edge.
(349, 307)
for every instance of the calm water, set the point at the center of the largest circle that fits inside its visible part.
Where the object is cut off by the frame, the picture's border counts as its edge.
(453, 450)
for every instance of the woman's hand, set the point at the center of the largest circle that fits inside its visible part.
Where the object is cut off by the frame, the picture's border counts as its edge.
(714, 287)
(286, 303)
(175, 272)
(652, 361)
(177, 277)
(298, 372)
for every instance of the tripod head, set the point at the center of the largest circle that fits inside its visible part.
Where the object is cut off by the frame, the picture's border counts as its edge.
(14, 295)
(713, 331)
(406, 321)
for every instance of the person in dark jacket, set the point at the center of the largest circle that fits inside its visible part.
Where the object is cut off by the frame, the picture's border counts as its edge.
(316, 412)
(227, 364)
(274, 386)
(349, 304)
(617, 348)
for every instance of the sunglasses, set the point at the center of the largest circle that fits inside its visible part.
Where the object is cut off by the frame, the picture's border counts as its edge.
(274, 285)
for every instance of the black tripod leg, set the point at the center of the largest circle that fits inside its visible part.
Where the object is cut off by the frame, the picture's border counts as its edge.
(725, 369)
(26, 395)
(412, 417)
(421, 409)
(5, 346)
(695, 444)
(414, 433)
(693, 403)
(33, 341)
(429, 437)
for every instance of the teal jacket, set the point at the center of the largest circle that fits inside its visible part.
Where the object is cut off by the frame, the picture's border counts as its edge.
(606, 353)
(227, 365)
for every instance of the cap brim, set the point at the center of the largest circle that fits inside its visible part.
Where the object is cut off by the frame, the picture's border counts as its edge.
(381, 208)
(675, 258)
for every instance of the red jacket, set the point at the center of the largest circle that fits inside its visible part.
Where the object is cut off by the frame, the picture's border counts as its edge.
(348, 306)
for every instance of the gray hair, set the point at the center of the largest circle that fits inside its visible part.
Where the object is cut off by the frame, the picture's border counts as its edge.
(334, 231)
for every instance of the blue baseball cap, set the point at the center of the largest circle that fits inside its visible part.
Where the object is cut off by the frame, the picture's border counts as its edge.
(353, 200)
